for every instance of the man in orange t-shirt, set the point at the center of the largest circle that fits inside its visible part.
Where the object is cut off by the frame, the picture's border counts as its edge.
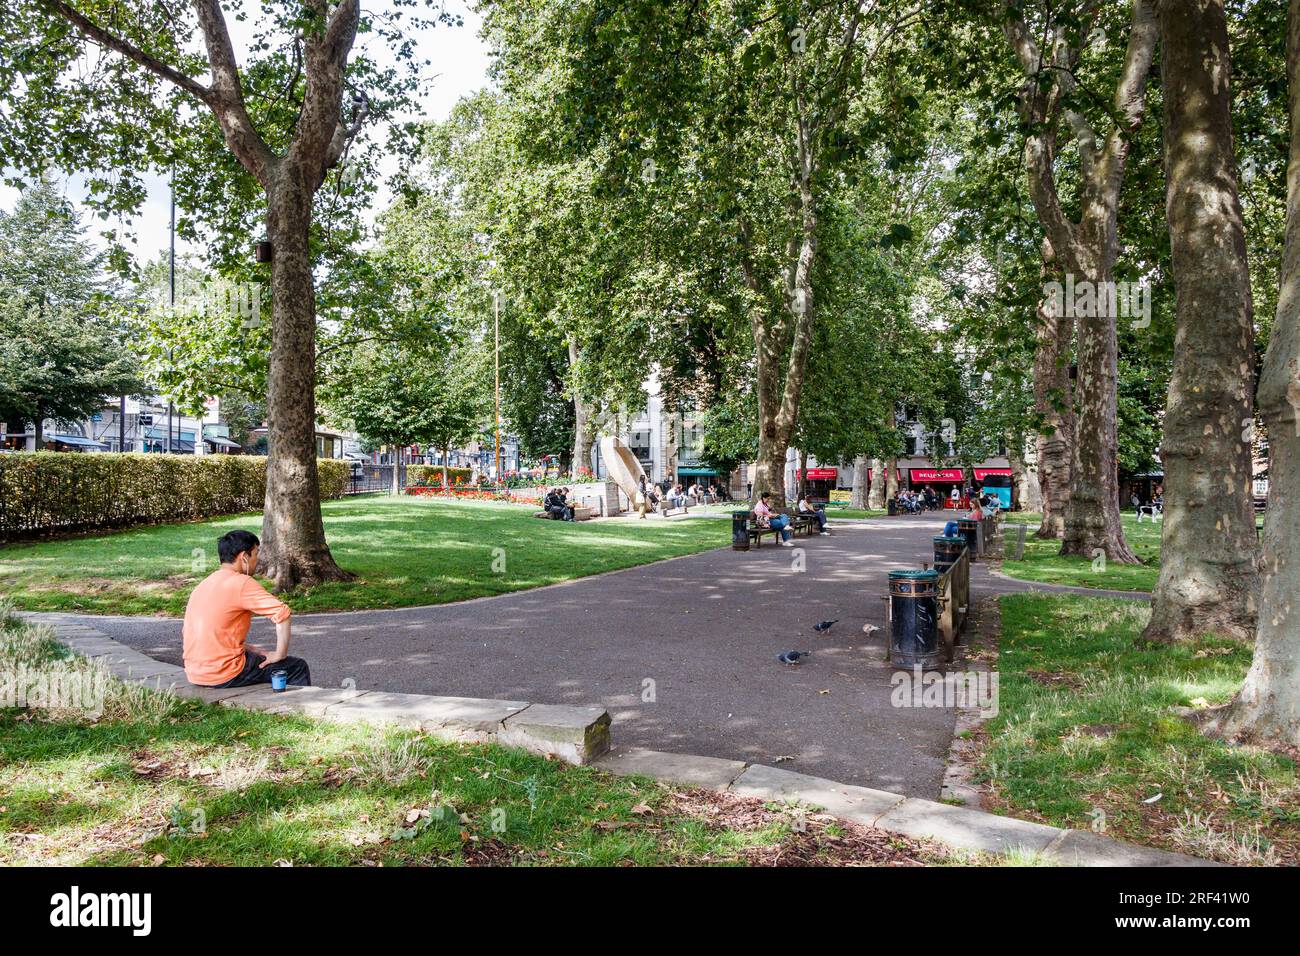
(217, 617)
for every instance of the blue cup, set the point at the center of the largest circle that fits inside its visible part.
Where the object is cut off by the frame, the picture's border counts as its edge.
(279, 680)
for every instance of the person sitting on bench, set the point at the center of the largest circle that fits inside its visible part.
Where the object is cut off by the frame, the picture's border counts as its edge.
(217, 617)
(556, 505)
(806, 509)
(765, 517)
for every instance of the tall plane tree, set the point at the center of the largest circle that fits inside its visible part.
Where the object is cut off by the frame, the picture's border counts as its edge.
(1268, 706)
(115, 87)
(1048, 44)
(1209, 546)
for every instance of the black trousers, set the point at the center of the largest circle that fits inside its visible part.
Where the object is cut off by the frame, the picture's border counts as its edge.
(254, 673)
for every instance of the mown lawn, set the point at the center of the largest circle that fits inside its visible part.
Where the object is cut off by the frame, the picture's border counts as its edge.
(1043, 562)
(1087, 736)
(153, 780)
(406, 551)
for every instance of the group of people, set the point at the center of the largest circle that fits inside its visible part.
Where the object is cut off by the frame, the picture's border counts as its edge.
(648, 495)
(765, 517)
(927, 499)
(556, 504)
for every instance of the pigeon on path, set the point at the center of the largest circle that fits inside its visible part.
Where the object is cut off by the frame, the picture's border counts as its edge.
(824, 625)
(792, 657)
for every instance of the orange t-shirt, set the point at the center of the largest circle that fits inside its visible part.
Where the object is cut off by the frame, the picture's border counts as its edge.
(216, 624)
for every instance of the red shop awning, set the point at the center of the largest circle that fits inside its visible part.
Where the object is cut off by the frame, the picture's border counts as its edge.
(898, 473)
(819, 474)
(936, 474)
(981, 472)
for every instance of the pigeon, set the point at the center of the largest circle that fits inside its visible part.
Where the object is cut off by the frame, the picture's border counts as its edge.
(823, 625)
(791, 657)
(869, 629)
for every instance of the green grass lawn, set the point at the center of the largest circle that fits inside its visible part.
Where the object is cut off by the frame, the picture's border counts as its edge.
(1086, 733)
(855, 513)
(1043, 562)
(156, 780)
(406, 551)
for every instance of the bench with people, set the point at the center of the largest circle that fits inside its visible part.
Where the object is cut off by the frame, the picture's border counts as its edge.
(804, 518)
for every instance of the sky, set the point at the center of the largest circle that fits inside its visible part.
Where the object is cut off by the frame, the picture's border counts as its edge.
(460, 62)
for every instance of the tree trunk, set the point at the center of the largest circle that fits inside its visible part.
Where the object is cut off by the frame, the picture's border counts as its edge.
(1054, 404)
(293, 550)
(1028, 492)
(38, 430)
(1268, 706)
(858, 497)
(1092, 515)
(1088, 247)
(1209, 547)
(582, 424)
(876, 499)
(446, 478)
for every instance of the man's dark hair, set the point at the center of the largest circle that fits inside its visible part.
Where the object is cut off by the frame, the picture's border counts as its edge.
(766, 494)
(234, 543)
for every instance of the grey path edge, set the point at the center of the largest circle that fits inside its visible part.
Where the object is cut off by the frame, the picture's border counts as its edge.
(958, 828)
(576, 735)
(581, 735)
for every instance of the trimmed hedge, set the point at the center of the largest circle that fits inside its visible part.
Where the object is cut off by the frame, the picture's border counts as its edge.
(47, 492)
(432, 475)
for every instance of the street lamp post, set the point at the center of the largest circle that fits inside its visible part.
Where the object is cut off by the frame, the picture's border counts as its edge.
(496, 322)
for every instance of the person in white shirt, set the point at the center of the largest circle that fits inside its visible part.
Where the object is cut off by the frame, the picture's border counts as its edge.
(805, 508)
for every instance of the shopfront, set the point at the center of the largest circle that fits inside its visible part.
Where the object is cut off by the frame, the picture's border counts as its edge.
(942, 480)
(997, 482)
(820, 482)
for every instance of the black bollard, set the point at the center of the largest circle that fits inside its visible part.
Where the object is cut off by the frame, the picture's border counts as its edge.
(740, 531)
(947, 551)
(914, 610)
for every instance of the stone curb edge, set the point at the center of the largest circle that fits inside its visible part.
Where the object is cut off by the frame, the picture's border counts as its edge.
(956, 827)
(580, 735)
(576, 735)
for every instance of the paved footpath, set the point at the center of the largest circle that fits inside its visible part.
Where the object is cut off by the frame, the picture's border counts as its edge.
(681, 652)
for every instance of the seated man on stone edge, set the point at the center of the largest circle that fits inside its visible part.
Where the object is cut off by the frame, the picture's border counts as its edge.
(217, 617)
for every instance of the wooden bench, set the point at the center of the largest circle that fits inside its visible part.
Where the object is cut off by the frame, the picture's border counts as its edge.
(799, 524)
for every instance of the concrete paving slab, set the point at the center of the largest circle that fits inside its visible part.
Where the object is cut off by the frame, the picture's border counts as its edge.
(965, 828)
(577, 735)
(689, 770)
(1083, 848)
(860, 804)
(308, 701)
(472, 719)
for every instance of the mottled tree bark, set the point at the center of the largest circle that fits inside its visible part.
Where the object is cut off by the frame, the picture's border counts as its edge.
(858, 499)
(1024, 479)
(1268, 706)
(1087, 248)
(1209, 547)
(1054, 404)
(876, 499)
(583, 431)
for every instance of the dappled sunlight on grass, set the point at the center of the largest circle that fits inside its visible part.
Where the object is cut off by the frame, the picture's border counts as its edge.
(1087, 730)
(405, 551)
(1043, 561)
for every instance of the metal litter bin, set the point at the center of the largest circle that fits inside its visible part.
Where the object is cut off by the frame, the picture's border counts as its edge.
(969, 528)
(914, 615)
(740, 531)
(946, 551)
